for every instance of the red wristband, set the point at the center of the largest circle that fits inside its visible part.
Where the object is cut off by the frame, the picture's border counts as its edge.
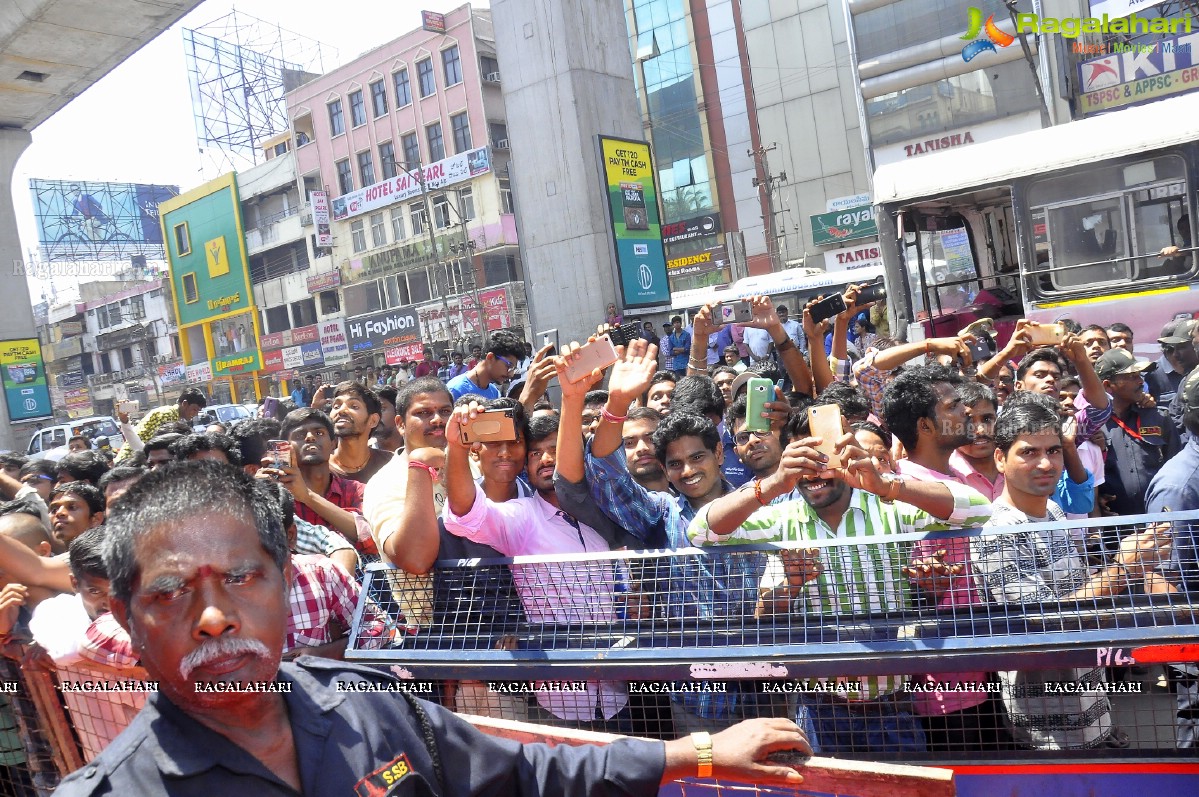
(422, 466)
(607, 416)
(758, 493)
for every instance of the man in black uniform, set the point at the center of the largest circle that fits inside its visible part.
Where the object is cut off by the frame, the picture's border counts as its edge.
(197, 558)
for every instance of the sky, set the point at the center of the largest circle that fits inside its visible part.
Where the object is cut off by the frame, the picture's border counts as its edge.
(136, 125)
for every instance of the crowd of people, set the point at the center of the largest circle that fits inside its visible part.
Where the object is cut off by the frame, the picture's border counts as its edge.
(381, 466)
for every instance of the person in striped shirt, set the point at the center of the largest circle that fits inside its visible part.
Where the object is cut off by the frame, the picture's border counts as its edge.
(853, 501)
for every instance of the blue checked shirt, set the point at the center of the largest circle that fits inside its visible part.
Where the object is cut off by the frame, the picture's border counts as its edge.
(699, 587)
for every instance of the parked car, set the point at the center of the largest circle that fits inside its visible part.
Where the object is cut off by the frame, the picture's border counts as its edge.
(221, 413)
(51, 442)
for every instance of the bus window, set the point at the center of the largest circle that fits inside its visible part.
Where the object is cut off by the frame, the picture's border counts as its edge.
(1161, 219)
(1088, 243)
(950, 271)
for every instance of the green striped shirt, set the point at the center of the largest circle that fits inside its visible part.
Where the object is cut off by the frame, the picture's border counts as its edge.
(857, 579)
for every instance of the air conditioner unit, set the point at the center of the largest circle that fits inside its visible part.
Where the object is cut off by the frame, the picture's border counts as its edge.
(502, 144)
(492, 77)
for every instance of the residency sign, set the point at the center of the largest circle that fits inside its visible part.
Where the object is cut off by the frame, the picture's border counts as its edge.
(636, 227)
(384, 329)
(843, 225)
(24, 375)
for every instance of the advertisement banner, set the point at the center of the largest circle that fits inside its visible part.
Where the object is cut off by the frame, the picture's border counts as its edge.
(71, 379)
(324, 282)
(714, 258)
(24, 375)
(687, 229)
(633, 214)
(495, 308)
(98, 221)
(443, 173)
(272, 360)
(846, 202)
(843, 225)
(320, 218)
(335, 345)
(78, 402)
(291, 337)
(311, 354)
(385, 328)
(175, 374)
(1127, 74)
(432, 21)
(853, 257)
(412, 352)
(293, 358)
(199, 373)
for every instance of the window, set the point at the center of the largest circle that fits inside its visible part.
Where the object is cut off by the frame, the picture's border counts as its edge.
(460, 124)
(102, 317)
(387, 159)
(378, 230)
(466, 204)
(397, 224)
(425, 78)
(453, 65)
(330, 302)
(419, 219)
(277, 319)
(498, 133)
(183, 241)
(403, 89)
(418, 286)
(303, 312)
(358, 234)
(436, 142)
(345, 177)
(489, 67)
(441, 212)
(379, 97)
(114, 313)
(127, 358)
(366, 168)
(191, 294)
(411, 145)
(337, 122)
(506, 205)
(357, 108)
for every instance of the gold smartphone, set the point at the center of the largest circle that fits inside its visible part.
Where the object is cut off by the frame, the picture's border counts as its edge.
(1046, 334)
(824, 421)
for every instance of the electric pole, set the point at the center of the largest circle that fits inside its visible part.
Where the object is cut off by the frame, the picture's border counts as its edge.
(767, 181)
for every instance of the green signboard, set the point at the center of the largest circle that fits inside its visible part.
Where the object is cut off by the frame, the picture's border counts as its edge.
(636, 227)
(843, 225)
(25, 390)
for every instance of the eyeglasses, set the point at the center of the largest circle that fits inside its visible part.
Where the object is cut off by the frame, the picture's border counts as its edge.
(511, 365)
(741, 438)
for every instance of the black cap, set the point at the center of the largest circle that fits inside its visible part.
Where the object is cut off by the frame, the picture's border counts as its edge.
(1121, 361)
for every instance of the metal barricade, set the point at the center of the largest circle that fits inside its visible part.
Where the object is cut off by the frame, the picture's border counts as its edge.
(664, 642)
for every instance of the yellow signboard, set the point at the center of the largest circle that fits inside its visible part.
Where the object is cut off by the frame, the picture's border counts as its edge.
(218, 257)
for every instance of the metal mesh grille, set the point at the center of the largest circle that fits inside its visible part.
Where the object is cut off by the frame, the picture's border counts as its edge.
(1012, 651)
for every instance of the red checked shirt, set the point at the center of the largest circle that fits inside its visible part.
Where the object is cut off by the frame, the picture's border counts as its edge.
(105, 642)
(348, 495)
(322, 594)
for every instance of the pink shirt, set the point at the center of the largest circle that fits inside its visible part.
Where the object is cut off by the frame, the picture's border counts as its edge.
(964, 592)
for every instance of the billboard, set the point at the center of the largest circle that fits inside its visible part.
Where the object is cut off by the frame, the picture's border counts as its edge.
(405, 185)
(78, 220)
(844, 225)
(1128, 74)
(335, 346)
(210, 276)
(636, 227)
(320, 217)
(24, 376)
(383, 329)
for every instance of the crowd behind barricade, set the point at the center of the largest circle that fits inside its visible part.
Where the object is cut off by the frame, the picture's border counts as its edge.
(766, 430)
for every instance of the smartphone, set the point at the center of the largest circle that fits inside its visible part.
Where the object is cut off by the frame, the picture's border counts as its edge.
(738, 312)
(625, 334)
(1046, 334)
(828, 307)
(599, 353)
(280, 453)
(270, 405)
(490, 426)
(980, 350)
(874, 292)
(979, 328)
(758, 391)
(127, 407)
(824, 421)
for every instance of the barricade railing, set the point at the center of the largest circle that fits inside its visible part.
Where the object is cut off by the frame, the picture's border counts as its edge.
(662, 642)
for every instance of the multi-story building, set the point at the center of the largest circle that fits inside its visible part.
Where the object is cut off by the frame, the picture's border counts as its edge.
(130, 346)
(410, 143)
(689, 67)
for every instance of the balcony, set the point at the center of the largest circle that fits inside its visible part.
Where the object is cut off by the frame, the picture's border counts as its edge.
(279, 228)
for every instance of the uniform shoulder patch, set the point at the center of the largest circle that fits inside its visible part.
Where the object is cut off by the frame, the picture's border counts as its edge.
(383, 780)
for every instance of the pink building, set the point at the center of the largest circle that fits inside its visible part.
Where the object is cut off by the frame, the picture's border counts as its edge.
(430, 99)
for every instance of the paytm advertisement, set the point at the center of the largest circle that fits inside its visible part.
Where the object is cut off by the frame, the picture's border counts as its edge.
(636, 226)
(25, 390)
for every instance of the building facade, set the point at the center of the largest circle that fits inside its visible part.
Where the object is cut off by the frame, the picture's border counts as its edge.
(410, 144)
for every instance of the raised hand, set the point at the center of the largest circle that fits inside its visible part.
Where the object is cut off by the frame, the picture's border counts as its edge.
(631, 375)
(461, 417)
(583, 382)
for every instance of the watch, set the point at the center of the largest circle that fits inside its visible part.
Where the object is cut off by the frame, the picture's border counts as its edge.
(703, 751)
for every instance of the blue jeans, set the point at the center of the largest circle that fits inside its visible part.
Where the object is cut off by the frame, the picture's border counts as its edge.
(867, 727)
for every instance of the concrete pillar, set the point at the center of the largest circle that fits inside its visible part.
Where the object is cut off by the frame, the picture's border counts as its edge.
(567, 77)
(17, 319)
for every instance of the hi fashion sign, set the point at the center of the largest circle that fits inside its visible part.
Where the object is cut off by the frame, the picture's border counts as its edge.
(385, 328)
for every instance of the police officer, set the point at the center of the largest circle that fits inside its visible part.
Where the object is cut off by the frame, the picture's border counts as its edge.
(197, 558)
(1139, 440)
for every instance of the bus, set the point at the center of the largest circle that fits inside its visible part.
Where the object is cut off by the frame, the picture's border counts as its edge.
(1064, 222)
